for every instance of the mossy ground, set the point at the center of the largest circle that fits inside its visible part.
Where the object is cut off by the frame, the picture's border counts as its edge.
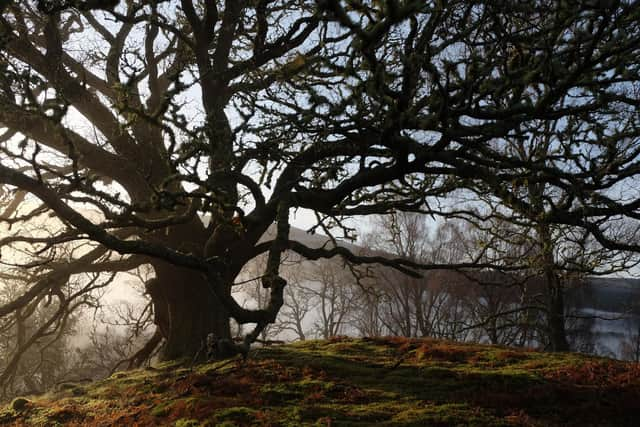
(356, 382)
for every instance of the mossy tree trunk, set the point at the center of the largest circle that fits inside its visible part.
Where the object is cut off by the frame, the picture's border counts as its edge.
(186, 308)
(186, 311)
(556, 331)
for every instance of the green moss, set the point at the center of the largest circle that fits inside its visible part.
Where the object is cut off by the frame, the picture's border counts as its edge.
(7, 417)
(71, 389)
(446, 415)
(290, 416)
(162, 409)
(374, 412)
(360, 382)
(119, 375)
(238, 414)
(279, 394)
(187, 423)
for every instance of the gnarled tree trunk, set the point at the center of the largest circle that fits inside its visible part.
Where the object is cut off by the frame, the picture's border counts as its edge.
(186, 310)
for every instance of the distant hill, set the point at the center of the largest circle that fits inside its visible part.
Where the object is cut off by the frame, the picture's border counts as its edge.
(354, 382)
(312, 240)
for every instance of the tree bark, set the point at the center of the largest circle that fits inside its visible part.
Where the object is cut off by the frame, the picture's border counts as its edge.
(556, 331)
(186, 311)
(186, 308)
(556, 319)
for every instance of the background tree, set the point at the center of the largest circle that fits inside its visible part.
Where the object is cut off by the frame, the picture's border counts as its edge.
(631, 344)
(331, 287)
(37, 339)
(553, 260)
(407, 306)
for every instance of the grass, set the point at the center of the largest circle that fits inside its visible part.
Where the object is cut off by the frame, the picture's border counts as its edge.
(354, 382)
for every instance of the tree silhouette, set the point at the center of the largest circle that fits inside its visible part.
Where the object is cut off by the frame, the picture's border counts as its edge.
(148, 127)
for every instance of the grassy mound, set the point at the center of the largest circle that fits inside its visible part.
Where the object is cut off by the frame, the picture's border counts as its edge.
(355, 382)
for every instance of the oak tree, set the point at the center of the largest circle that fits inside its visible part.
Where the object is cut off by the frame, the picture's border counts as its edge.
(175, 133)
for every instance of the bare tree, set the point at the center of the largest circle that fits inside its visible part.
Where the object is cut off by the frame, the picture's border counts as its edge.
(331, 286)
(37, 337)
(409, 306)
(552, 260)
(366, 318)
(631, 345)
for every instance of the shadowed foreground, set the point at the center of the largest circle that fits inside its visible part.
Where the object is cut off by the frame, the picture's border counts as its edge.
(385, 381)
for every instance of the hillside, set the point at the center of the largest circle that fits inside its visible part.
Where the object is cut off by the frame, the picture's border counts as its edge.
(358, 382)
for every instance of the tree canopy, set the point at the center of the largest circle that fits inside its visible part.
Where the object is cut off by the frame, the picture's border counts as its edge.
(175, 133)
